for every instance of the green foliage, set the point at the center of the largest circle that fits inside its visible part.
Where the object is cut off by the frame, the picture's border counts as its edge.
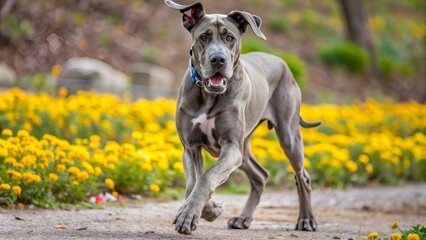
(254, 45)
(39, 82)
(150, 54)
(286, 3)
(310, 19)
(278, 24)
(389, 67)
(256, 2)
(296, 65)
(16, 28)
(105, 41)
(344, 55)
(114, 19)
(80, 18)
(390, 59)
(415, 232)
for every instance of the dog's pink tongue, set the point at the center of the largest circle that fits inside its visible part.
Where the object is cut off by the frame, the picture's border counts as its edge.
(217, 79)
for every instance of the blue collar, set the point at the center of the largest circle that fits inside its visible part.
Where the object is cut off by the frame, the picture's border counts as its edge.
(195, 78)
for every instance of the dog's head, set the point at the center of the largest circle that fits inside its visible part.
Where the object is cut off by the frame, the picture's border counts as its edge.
(216, 42)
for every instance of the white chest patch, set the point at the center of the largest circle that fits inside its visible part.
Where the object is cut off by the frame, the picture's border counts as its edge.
(206, 126)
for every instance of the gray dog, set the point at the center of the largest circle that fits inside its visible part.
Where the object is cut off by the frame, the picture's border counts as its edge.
(223, 97)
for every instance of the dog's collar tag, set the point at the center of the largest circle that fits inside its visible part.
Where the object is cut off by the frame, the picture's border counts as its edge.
(196, 79)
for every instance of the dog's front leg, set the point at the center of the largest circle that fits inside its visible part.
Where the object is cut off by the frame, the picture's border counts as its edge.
(189, 214)
(193, 166)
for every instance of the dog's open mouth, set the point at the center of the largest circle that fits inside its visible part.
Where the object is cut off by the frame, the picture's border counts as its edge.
(217, 80)
(215, 84)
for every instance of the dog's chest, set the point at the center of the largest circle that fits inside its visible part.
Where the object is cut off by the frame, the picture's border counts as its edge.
(207, 127)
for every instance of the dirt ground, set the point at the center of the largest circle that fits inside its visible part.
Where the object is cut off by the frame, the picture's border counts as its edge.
(341, 214)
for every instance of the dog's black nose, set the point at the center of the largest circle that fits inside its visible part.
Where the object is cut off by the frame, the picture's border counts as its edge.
(217, 59)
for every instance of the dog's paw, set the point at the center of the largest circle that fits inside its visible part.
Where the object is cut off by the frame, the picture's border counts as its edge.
(186, 220)
(307, 224)
(239, 222)
(212, 210)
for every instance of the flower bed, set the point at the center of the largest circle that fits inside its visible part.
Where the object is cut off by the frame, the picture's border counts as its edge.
(64, 149)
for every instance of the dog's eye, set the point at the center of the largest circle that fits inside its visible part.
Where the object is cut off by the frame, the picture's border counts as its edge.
(229, 38)
(203, 37)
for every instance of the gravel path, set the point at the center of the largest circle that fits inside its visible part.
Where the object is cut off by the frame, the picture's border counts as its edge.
(341, 214)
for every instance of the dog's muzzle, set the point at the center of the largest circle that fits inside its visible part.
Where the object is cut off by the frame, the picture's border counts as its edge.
(215, 84)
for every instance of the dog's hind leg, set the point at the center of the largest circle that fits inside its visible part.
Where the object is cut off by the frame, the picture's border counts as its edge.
(258, 177)
(286, 119)
(291, 141)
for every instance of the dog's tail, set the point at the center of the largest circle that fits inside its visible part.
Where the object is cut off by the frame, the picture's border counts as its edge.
(308, 124)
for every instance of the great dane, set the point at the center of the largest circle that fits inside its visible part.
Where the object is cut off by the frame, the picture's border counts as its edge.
(222, 98)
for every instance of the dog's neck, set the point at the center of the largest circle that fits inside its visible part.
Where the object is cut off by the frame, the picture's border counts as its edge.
(195, 77)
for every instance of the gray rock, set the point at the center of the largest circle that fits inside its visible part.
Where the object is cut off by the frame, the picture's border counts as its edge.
(7, 76)
(151, 81)
(84, 73)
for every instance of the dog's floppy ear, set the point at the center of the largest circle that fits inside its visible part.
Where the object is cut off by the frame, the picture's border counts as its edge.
(189, 20)
(242, 19)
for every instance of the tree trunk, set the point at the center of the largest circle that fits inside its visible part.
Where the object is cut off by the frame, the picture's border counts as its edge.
(358, 31)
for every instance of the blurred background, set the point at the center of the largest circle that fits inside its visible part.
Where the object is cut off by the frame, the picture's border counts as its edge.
(338, 50)
(360, 64)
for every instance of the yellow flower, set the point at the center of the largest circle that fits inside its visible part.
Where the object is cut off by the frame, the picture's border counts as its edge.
(14, 175)
(23, 133)
(75, 183)
(111, 166)
(146, 166)
(88, 167)
(4, 186)
(10, 160)
(178, 166)
(74, 170)
(73, 130)
(3, 152)
(369, 168)
(28, 160)
(113, 159)
(60, 154)
(154, 187)
(7, 132)
(60, 168)
(413, 236)
(94, 145)
(53, 177)
(28, 126)
(109, 183)
(163, 162)
(95, 138)
(351, 166)
(307, 163)
(115, 194)
(17, 190)
(98, 171)
(418, 31)
(83, 175)
(394, 225)
(289, 168)
(18, 165)
(36, 178)
(372, 235)
(56, 70)
(136, 135)
(28, 177)
(396, 236)
(63, 92)
(363, 158)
